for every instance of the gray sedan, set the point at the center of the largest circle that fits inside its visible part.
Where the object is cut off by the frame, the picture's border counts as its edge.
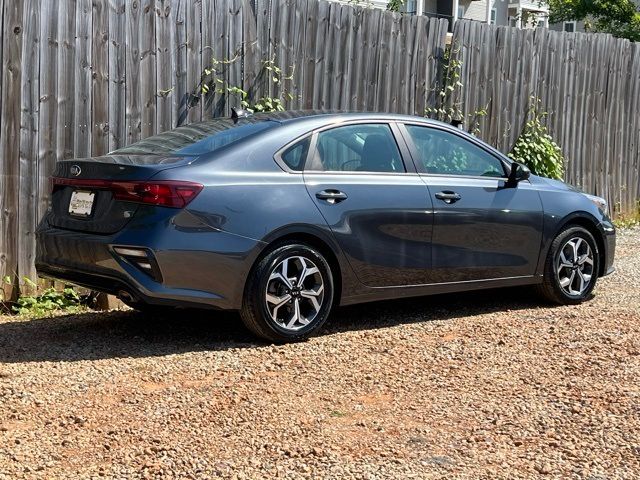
(283, 216)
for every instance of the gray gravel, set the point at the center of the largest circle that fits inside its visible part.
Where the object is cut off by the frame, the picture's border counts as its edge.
(481, 385)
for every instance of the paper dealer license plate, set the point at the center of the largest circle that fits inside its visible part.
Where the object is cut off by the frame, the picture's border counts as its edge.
(81, 203)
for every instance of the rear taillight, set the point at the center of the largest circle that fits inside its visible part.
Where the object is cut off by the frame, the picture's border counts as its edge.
(167, 193)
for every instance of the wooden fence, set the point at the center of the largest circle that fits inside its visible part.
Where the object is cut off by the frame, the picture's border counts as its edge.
(83, 77)
(588, 83)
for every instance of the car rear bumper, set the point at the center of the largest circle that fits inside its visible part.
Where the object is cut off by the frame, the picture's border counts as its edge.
(208, 270)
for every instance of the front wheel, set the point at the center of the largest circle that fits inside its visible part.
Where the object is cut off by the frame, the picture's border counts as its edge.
(571, 268)
(289, 293)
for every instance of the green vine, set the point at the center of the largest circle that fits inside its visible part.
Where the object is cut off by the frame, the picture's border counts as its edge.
(279, 81)
(448, 103)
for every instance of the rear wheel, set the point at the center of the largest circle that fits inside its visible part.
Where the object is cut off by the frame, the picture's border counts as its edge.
(571, 267)
(289, 293)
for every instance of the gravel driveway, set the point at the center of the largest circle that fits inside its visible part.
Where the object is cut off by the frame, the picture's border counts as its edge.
(482, 385)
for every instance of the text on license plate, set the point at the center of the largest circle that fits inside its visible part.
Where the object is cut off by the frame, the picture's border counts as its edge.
(81, 203)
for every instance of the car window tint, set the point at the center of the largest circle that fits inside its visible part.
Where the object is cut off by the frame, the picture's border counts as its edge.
(197, 138)
(361, 148)
(446, 153)
(295, 155)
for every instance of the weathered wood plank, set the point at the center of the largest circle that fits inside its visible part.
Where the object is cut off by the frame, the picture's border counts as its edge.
(66, 79)
(117, 74)
(191, 109)
(164, 66)
(133, 101)
(12, 34)
(29, 188)
(178, 43)
(148, 81)
(100, 77)
(82, 107)
(48, 115)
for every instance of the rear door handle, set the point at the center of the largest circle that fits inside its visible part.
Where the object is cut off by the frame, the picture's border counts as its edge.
(448, 196)
(331, 196)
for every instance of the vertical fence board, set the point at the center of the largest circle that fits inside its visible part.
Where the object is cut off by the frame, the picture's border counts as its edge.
(117, 73)
(164, 70)
(148, 85)
(48, 115)
(100, 76)
(30, 94)
(133, 118)
(192, 104)
(66, 79)
(178, 60)
(12, 34)
(82, 107)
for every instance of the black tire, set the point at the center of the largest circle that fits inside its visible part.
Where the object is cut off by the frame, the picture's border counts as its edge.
(255, 311)
(551, 288)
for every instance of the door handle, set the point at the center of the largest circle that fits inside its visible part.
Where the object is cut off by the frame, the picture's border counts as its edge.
(331, 196)
(448, 196)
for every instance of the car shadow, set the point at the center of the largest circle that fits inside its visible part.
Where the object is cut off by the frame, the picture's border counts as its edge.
(120, 334)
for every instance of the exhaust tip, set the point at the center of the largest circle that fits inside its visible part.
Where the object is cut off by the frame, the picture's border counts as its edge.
(125, 296)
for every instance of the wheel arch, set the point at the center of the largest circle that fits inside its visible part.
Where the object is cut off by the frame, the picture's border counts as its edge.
(314, 238)
(589, 223)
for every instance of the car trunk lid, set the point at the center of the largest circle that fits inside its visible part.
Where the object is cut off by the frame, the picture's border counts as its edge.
(101, 195)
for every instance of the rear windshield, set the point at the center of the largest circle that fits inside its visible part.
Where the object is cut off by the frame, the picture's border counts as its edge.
(197, 138)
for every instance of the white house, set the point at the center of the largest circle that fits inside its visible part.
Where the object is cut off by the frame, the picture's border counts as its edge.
(516, 13)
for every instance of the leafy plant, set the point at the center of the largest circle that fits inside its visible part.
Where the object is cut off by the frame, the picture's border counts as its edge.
(395, 5)
(536, 148)
(38, 305)
(627, 219)
(49, 301)
(448, 103)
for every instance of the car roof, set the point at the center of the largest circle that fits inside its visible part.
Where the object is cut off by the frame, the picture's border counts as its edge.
(291, 116)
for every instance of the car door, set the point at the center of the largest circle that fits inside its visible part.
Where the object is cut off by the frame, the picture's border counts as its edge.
(483, 229)
(378, 210)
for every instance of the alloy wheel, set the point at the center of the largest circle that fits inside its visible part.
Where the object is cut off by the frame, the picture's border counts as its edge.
(294, 293)
(574, 267)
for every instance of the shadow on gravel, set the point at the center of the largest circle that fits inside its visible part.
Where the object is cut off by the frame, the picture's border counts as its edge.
(96, 335)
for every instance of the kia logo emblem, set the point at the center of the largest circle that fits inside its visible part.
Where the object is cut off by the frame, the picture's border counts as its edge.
(76, 170)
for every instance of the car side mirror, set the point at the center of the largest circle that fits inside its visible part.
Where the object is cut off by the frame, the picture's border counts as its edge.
(518, 173)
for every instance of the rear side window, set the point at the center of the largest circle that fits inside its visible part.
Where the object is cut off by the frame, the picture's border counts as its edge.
(359, 148)
(444, 153)
(197, 138)
(295, 155)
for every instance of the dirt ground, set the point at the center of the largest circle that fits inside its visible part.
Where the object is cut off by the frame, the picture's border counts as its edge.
(491, 384)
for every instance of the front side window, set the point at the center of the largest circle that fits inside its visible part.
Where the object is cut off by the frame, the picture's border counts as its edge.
(358, 148)
(444, 153)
